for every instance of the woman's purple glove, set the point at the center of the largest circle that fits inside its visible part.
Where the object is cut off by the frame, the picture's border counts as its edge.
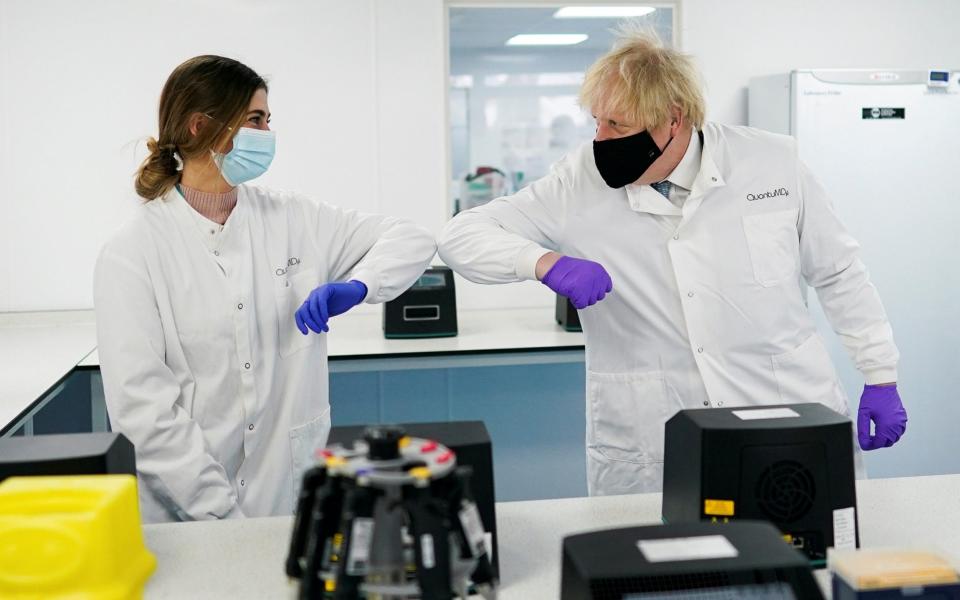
(328, 300)
(882, 405)
(583, 281)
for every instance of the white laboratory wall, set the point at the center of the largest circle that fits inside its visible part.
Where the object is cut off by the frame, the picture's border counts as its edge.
(357, 92)
(735, 40)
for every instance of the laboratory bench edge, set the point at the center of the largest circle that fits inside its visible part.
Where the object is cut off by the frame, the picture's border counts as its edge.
(240, 559)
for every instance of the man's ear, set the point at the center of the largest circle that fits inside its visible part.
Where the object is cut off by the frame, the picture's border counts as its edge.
(676, 117)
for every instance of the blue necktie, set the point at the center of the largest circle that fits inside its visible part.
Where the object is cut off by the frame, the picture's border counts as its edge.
(663, 187)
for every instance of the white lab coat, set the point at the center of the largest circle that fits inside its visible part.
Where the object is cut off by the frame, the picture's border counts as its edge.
(708, 306)
(203, 366)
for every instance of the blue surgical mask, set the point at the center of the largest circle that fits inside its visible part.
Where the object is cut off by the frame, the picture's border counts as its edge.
(252, 153)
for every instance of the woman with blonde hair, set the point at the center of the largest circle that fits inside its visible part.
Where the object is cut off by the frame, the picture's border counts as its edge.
(687, 246)
(213, 303)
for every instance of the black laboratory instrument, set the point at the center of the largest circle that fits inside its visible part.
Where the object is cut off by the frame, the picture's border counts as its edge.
(428, 309)
(746, 559)
(470, 441)
(791, 465)
(567, 315)
(391, 517)
(67, 454)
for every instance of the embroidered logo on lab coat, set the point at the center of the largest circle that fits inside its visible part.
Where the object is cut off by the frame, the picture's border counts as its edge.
(770, 194)
(291, 262)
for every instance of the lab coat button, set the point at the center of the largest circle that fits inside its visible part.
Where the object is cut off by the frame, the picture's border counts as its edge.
(240, 306)
(700, 349)
(250, 427)
(689, 294)
(242, 483)
(676, 236)
(706, 403)
(246, 365)
(216, 253)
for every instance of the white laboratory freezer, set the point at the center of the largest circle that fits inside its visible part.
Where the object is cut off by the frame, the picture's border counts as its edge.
(886, 145)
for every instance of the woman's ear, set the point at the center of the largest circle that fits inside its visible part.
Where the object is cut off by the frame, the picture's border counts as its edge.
(196, 123)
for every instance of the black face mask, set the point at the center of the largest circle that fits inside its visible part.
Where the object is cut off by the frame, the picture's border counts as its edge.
(624, 160)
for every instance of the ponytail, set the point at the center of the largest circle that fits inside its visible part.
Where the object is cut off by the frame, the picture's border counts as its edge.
(159, 172)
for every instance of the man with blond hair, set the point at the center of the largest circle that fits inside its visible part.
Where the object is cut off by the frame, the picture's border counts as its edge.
(694, 241)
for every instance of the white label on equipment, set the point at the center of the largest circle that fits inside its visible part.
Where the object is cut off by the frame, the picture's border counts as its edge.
(361, 537)
(765, 413)
(845, 528)
(426, 551)
(472, 527)
(691, 548)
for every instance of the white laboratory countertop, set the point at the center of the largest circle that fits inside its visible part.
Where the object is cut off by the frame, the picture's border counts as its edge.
(507, 330)
(361, 335)
(38, 349)
(242, 559)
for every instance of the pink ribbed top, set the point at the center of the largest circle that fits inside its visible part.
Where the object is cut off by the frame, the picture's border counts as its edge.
(216, 207)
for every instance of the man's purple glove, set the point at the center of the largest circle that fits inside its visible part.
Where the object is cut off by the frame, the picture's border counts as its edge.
(882, 405)
(328, 300)
(584, 282)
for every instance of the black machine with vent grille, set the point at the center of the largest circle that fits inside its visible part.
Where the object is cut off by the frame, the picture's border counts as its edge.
(746, 559)
(791, 465)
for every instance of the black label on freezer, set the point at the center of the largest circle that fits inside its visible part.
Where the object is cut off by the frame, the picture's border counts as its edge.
(884, 113)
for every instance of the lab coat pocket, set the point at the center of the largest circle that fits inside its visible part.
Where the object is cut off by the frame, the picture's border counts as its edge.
(305, 440)
(774, 245)
(291, 293)
(627, 412)
(806, 374)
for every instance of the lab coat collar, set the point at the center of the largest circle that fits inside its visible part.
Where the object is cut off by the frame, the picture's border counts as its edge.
(200, 225)
(685, 173)
(644, 198)
(709, 176)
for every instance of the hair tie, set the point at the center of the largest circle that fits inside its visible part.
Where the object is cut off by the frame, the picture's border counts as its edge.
(169, 157)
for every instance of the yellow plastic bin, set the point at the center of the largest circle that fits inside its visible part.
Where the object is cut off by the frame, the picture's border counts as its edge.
(72, 537)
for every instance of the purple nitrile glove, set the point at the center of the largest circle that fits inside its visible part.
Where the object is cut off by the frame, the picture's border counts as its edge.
(328, 300)
(882, 405)
(584, 282)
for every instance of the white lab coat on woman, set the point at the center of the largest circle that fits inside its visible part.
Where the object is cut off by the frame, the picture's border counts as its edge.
(708, 305)
(203, 366)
